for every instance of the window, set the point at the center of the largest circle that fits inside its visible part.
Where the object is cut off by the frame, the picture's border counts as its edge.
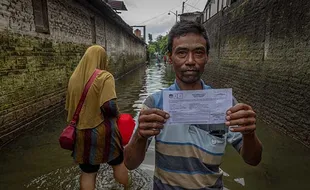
(40, 16)
(210, 10)
(205, 15)
(93, 29)
(224, 3)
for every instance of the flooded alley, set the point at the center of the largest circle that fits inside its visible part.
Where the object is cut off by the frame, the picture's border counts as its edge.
(35, 160)
(258, 50)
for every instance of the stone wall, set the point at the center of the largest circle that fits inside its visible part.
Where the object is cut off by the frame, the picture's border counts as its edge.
(261, 49)
(35, 67)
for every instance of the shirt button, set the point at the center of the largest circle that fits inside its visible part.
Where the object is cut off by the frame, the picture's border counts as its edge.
(213, 142)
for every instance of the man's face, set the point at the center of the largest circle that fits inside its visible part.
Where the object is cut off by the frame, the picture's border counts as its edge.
(188, 57)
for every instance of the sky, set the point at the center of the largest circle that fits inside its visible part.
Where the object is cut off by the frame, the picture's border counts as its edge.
(154, 13)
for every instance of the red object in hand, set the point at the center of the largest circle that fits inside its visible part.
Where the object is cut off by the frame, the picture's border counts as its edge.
(126, 125)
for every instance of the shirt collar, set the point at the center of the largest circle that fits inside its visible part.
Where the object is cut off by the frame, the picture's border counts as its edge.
(176, 87)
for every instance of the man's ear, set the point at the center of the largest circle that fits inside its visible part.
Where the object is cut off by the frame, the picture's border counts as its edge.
(169, 58)
(207, 59)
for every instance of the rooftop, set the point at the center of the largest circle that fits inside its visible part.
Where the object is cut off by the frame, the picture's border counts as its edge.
(118, 5)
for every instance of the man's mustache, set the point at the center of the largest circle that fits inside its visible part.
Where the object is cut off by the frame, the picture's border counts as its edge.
(195, 70)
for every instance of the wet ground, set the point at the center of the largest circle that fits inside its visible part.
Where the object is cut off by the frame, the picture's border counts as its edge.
(35, 160)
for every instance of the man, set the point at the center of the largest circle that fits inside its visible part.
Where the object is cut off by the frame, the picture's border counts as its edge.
(189, 156)
(158, 58)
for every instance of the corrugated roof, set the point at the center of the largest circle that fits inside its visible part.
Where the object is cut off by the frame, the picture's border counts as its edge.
(118, 5)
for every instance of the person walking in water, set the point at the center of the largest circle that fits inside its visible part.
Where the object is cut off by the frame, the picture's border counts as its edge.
(158, 58)
(98, 139)
(165, 59)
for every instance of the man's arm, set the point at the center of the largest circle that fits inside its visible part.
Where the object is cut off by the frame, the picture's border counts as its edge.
(251, 150)
(243, 116)
(150, 122)
(135, 151)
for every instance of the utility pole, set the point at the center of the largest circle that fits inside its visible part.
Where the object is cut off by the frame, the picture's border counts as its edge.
(183, 7)
(176, 15)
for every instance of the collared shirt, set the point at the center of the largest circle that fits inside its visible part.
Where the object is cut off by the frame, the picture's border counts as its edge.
(189, 156)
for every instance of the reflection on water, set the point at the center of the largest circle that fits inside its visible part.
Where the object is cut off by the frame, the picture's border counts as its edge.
(68, 178)
(35, 160)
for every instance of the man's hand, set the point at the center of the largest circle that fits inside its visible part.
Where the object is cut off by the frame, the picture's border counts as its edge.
(151, 121)
(243, 116)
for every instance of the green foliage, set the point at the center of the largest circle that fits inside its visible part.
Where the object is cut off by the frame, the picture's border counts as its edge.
(163, 44)
(159, 46)
(152, 49)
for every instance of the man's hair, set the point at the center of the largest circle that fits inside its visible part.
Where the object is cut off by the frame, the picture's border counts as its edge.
(184, 27)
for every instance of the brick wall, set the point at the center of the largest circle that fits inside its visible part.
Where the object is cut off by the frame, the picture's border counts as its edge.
(262, 50)
(35, 67)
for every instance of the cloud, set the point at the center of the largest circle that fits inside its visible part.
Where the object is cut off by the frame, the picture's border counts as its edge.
(130, 4)
(154, 13)
(160, 26)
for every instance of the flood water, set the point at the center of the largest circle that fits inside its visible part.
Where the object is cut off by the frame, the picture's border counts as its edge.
(35, 160)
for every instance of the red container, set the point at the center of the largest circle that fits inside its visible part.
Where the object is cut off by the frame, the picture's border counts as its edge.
(126, 125)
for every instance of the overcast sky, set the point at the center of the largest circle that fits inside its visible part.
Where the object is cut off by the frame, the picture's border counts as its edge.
(154, 13)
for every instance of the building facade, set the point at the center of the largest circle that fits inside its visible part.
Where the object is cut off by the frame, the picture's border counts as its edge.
(261, 49)
(42, 41)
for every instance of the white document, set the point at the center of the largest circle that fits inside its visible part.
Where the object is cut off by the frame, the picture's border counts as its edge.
(197, 106)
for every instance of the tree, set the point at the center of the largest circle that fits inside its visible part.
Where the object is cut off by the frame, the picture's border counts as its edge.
(163, 44)
(152, 49)
(150, 38)
(159, 46)
(159, 38)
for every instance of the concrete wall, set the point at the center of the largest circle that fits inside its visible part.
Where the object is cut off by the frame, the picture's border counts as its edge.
(261, 49)
(35, 67)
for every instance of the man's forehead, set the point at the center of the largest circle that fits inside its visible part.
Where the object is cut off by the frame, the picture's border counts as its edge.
(190, 40)
(189, 45)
